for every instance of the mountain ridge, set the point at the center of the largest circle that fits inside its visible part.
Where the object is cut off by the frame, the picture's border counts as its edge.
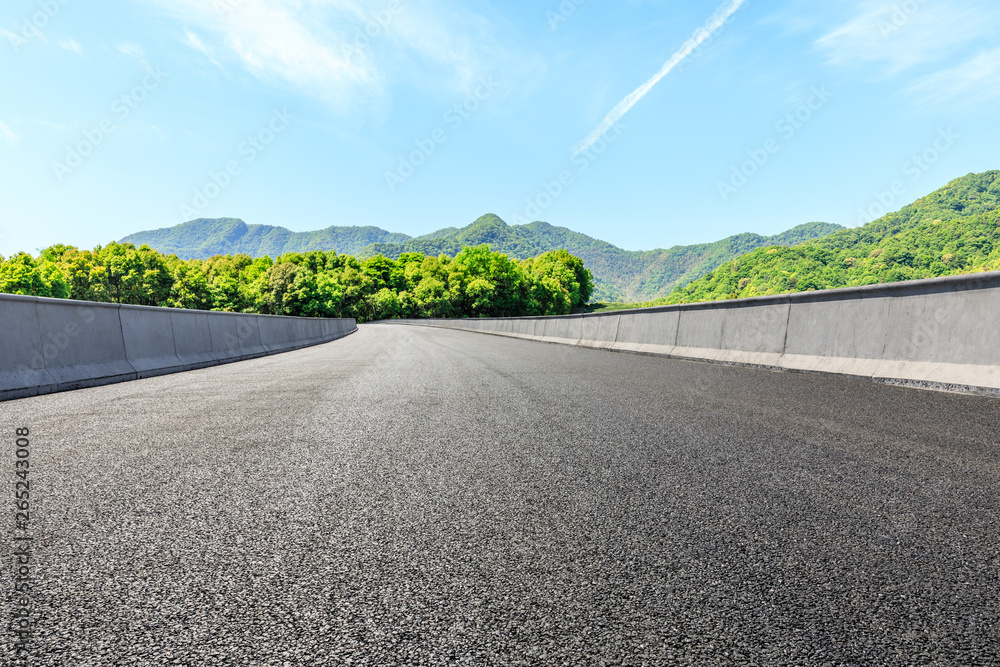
(951, 231)
(205, 237)
(619, 274)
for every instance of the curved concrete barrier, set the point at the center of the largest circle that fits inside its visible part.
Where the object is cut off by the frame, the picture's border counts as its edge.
(49, 345)
(940, 333)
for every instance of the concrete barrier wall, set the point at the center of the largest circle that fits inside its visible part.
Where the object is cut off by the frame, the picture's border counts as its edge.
(652, 332)
(87, 339)
(938, 333)
(49, 345)
(734, 331)
(22, 361)
(196, 347)
(599, 331)
(149, 340)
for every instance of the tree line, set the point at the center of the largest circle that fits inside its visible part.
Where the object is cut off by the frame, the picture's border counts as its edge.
(477, 282)
(931, 250)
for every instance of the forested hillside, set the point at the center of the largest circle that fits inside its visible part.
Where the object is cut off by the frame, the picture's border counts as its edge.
(207, 237)
(477, 282)
(954, 230)
(618, 274)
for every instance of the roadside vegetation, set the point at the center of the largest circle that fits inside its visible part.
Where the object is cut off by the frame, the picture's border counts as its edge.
(477, 282)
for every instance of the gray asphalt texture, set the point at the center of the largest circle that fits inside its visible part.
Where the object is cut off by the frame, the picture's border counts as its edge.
(419, 496)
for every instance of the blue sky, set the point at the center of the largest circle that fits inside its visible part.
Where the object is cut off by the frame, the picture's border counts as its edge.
(414, 115)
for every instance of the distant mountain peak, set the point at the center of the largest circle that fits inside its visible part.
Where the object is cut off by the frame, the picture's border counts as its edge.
(619, 273)
(490, 219)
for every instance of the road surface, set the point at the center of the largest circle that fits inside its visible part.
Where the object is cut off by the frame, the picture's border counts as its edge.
(420, 496)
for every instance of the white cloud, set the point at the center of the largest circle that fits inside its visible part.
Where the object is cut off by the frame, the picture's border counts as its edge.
(897, 37)
(131, 49)
(309, 44)
(976, 80)
(8, 135)
(71, 45)
(947, 50)
(194, 41)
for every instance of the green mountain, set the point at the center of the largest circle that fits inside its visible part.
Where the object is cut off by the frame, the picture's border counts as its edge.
(619, 274)
(954, 230)
(205, 237)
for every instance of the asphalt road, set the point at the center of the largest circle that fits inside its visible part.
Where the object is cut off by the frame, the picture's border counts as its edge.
(419, 496)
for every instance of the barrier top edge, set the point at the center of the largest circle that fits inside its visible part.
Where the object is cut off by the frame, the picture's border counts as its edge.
(127, 306)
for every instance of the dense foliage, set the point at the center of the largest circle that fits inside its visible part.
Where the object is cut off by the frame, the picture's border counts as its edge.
(477, 282)
(954, 230)
(618, 273)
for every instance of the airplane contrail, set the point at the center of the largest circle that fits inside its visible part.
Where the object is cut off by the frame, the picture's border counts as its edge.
(716, 21)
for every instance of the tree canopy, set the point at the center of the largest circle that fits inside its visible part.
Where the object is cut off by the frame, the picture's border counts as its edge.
(954, 230)
(477, 282)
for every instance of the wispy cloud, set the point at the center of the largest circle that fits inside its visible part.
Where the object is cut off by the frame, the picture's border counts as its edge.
(311, 45)
(800, 16)
(71, 45)
(974, 81)
(715, 22)
(131, 49)
(194, 41)
(896, 37)
(8, 135)
(948, 48)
